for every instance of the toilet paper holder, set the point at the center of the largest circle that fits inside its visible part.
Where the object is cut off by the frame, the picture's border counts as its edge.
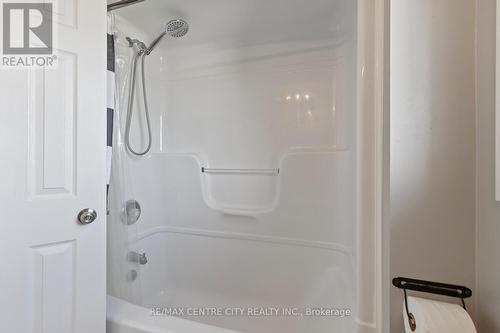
(431, 287)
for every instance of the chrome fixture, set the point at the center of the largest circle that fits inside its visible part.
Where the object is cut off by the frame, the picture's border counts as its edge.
(131, 212)
(273, 172)
(177, 28)
(139, 258)
(121, 4)
(132, 275)
(140, 45)
(87, 216)
(174, 28)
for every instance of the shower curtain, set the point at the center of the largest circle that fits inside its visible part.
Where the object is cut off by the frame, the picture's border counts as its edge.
(123, 277)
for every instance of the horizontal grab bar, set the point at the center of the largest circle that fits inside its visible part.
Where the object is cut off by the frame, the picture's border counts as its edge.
(242, 171)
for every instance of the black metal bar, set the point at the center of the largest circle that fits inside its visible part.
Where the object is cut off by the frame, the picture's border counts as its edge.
(411, 318)
(432, 287)
(121, 4)
(463, 304)
(429, 287)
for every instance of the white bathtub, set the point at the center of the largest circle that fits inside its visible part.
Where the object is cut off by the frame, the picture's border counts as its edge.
(124, 317)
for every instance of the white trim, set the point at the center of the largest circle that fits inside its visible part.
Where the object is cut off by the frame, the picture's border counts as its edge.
(476, 155)
(372, 52)
(497, 105)
(379, 81)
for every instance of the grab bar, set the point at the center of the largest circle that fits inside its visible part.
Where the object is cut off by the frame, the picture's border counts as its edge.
(274, 172)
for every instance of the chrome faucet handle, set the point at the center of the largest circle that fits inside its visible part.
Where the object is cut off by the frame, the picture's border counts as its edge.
(143, 260)
(139, 258)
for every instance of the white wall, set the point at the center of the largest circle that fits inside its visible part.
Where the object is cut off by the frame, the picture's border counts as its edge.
(488, 210)
(432, 144)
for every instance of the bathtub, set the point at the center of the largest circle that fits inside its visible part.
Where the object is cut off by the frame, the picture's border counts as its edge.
(125, 317)
(205, 283)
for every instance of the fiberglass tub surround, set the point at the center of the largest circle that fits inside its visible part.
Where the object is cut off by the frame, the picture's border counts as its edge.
(250, 193)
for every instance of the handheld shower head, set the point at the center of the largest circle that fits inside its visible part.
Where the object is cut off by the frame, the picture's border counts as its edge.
(174, 28)
(177, 28)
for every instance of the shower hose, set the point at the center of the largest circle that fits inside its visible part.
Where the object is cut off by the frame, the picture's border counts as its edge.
(138, 55)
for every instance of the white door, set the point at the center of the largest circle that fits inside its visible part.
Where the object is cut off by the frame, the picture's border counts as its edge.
(52, 165)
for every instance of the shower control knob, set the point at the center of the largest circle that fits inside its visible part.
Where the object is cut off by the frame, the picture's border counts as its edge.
(87, 216)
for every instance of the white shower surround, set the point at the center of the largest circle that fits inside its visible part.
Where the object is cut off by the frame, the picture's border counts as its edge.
(188, 214)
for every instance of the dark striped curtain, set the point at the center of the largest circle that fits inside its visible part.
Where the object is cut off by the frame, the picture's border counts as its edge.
(110, 106)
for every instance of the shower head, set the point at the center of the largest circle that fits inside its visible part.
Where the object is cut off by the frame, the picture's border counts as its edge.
(174, 28)
(177, 28)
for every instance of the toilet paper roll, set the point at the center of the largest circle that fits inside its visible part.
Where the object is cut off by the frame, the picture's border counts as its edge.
(437, 317)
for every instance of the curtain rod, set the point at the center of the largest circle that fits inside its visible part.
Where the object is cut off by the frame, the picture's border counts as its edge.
(122, 3)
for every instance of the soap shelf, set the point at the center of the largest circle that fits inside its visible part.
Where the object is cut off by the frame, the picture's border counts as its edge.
(273, 172)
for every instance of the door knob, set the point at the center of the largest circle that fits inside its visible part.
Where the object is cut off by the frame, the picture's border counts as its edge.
(87, 216)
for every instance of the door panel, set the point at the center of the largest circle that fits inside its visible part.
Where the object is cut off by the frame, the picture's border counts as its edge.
(52, 116)
(52, 165)
(53, 274)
